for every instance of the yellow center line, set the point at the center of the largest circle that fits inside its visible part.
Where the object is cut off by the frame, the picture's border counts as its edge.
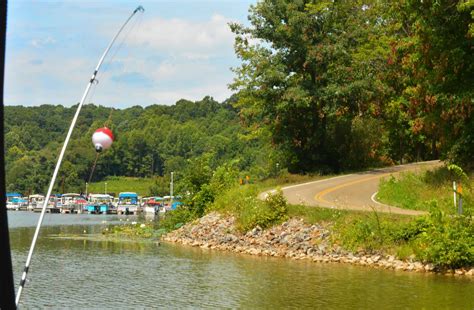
(319, 196)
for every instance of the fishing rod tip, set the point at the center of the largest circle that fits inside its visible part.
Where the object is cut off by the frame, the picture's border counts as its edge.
(139, 9)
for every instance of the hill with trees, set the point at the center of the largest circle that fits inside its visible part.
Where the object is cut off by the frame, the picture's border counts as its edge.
(149, 142)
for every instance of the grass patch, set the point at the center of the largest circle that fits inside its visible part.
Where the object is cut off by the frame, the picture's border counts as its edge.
(243, 203)
(116, 185)
(313, 215)
(356, 230)
(134, 231)
(416, 191)
(445, 240)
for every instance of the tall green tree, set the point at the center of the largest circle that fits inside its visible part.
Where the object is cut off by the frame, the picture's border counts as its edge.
(434, 63)
(306, 74)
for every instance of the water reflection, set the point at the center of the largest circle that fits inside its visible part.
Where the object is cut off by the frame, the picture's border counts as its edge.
(70, 273)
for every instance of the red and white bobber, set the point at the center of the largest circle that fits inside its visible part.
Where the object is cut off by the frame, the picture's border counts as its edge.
(102, 139)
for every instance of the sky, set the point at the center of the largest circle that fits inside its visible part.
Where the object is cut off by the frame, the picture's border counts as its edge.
(181, 49)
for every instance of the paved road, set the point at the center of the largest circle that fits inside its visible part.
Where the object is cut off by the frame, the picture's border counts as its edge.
(353, 191)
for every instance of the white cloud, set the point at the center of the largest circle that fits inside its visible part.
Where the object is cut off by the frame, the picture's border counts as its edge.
(192, 39)
(174, 58)
(42, 42)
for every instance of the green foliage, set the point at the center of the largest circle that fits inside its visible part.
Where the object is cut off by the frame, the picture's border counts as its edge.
(317, 67)
(133, 231)
(175, 219)
(432, 73)
(416, 191)
(160, 186)
(312, 74)
(323, 86)
(316, 215)
(190, 139)
(468, 6)
(202, 199)
(361, 233)
(249, 210)
(447, 241)
(403, 194)
(457, 172)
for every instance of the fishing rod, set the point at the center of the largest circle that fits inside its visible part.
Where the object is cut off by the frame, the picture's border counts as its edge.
(61, 155)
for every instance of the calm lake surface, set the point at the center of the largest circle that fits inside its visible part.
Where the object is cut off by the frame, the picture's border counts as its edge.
(67, 273)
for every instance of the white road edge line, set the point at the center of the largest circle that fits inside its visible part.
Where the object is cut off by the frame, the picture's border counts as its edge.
(373, 198)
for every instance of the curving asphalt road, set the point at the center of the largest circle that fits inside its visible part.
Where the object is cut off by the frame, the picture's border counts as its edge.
(351, 192)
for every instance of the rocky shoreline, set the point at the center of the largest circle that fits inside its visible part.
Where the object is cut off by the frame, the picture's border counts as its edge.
(292, 239)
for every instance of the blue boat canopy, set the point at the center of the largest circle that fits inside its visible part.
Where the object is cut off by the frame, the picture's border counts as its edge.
(14, 195)
(128, 195)
(176, 204)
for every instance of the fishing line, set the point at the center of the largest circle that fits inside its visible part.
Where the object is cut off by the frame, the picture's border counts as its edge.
(114, 52)
(61, 155)
(93, 166)
(108, 122)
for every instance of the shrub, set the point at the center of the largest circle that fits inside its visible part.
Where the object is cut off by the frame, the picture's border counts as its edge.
(263, 213)
(223, 178)
(249, 210)
(202, 199)
(448, 241)
(174, 219)
(368, 233)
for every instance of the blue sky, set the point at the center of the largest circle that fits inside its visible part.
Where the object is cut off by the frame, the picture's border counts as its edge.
(176, 49)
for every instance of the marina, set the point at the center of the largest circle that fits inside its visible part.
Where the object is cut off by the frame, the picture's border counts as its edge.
(127, 203)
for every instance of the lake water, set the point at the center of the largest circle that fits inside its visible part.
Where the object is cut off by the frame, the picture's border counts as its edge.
(68, 273)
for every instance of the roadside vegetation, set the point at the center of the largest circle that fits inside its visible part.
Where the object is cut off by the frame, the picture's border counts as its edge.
(422, 191)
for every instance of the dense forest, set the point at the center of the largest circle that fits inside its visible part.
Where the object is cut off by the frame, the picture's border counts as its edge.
(186, 138)
(343, 83)
(323, 86)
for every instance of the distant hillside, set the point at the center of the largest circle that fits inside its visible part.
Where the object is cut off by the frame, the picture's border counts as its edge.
(150, 142)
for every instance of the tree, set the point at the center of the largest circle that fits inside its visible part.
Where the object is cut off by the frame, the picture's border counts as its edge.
(436, 75)
(306, 79)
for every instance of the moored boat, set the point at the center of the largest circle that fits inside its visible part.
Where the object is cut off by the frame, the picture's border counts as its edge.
(99, 204)
(72, 203)
(15, 201)
(152, 205)
(171, 203)
(35, 201)
(128, 203)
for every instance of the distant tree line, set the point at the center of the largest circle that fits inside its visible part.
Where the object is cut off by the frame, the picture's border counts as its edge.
(149, 142)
